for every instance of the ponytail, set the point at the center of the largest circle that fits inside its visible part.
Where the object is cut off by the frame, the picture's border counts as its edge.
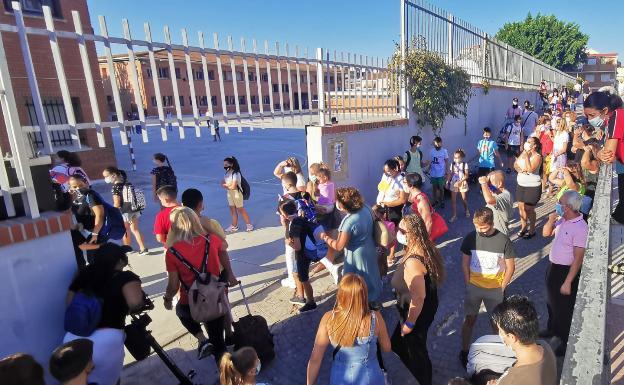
(234, 162)
(228, 373)
(235, 366)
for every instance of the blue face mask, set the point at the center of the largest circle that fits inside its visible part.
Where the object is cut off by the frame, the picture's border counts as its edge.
(492, 188)
(559, 209)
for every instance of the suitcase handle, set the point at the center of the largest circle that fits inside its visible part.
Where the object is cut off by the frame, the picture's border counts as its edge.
(240, 285)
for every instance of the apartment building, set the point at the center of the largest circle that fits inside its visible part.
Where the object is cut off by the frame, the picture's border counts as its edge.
(600, 69)
(94, 158)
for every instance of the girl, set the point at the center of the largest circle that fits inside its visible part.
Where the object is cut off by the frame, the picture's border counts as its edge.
(118, 179)
(68, 164)
(380, 215)
(240, 367)
(231, 183)
(560, 150)
(355, 333)
(457, 182)
(162, 175)
(569, 177)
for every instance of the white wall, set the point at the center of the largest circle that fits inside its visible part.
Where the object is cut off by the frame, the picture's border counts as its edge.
(34, 277)
(368, 150)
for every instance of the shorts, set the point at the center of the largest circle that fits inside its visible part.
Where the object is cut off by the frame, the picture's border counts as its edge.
(128, 217)
(529, 195)
(303, 266)
(513, 150)
(235, 198)
(438, 181)
(475, 295)
(484, 171)
(463, 187)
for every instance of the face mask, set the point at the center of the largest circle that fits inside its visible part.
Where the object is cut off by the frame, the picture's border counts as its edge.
(483, 234)
(108, 179)
(597, 122)
(287, 169)
(313, 178)
(437, 147)
(515, 105)
(568, 120)
(527, 146)
(258, 367)
(401, 238)
(559, 209)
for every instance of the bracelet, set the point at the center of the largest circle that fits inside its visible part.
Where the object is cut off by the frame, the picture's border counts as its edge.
(409, 324)
(94, 233)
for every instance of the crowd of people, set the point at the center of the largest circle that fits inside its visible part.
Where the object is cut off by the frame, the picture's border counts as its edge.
(555, 155)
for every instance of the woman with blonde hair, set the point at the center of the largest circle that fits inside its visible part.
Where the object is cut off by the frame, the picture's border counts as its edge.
(240, 367)
(415, 283)
(353, 330)
(188, 240)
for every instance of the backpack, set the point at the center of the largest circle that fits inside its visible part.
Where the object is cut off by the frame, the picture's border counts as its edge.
(306, 209)
(134, 196)
(314, 248)
(244, 188)
(83, 314)
(113, 227)
(207, 296)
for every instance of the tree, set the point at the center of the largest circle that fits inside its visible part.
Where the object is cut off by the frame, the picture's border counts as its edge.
(555, 42)
(437, 89)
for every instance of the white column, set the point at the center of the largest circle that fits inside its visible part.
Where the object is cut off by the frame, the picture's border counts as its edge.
(319, 85)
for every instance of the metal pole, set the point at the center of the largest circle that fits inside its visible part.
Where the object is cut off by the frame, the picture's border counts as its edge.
(319, 85)
(484, 55)
(403, 43)
(131, 150)
(450, 38)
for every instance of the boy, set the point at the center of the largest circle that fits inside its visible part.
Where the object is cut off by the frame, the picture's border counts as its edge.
(72, 362)
(413, 157)
(168, 197)
(488, 149)
(437, 170)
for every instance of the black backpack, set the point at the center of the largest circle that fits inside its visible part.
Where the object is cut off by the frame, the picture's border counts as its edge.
(244, 188)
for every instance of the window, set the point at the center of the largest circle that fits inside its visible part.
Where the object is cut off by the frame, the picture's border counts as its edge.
(276, 106)
(251, 76)
(605, 77)
(239, 76)
(149, 73)
(230, 100)
(35, 7)
(154, 104)
(286, 106)
(198, 74)
(275, 87)
(590, 78)
(303, 78)
(242, 100)
(109, 99)
(266, 100)
(163, 73)
(211, 75)
(591, 61)
(181, 100)
(227, 75)
(177, 72)
(104, 73)
(202, 101)
(167, 101)
(285, 87)
(213, 100)
(264, 77)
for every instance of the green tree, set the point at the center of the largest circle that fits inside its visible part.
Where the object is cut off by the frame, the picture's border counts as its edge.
(555, 42)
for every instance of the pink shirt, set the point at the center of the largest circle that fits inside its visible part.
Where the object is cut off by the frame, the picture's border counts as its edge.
(568, 235)
(327, 193)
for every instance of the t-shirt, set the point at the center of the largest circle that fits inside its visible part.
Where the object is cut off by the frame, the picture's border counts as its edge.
(560, 141)
(194, 254)
(61, 172)
(82, 206)
(117, 189)
(212, 226)
(543, 372)
(489, 352)
(414, 162)
(164, 176)
(568, 235)
(529, 121)
(389, 188)
(327, 193)
(300, 228)
(162, 224)
(114, 305)
(515, 130)
(513, 112)
(232, 176)
(301, 183)
(503, 211)
(615, 130)
(437, 162)
(547, 144)
(487, 258)
(487, 148)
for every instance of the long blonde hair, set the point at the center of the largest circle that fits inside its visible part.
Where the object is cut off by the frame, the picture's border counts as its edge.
(235, 366)
(185, 226)
(418, 243)
(350, 312)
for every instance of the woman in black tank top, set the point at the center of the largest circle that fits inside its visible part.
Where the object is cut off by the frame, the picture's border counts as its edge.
(417, 307)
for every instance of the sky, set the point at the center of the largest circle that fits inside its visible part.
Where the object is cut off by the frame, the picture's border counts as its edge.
(368, 27)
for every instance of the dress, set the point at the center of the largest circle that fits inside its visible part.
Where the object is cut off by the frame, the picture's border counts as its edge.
(357, 364)
(360, 252)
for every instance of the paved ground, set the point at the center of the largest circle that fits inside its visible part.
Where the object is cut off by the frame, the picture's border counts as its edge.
(294, 333)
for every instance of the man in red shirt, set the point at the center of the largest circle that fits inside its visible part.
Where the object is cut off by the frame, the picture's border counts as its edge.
(168, 199)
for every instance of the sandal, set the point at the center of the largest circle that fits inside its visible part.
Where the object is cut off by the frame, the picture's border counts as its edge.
(453, 219)
(617, 269)
(529, 235)
(522, 233)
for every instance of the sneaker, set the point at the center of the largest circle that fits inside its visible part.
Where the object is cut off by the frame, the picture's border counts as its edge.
(250, 227)
(296, 300)
(231, 229)
(308, 307)
(453, 219)
(288, 282)
(144, 252)
(463, 358)
(204, 349)
(468, 214)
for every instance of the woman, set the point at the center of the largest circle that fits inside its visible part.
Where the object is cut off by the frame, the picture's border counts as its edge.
(240, 367)
(355, 236)
(571, 179)
(88, 209)
(420, 201)
(188, 239)
(118, 179)
(415, 282)
(353, 331)
(121, 294)
(529, 190)
(291, 165)
(232, 184)
(162, 174)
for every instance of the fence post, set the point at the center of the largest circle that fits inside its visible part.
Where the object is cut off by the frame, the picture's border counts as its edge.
(505, 63)
(403, 47)
(484, 55)
(521, 67)
(451, 21)
(319, 85)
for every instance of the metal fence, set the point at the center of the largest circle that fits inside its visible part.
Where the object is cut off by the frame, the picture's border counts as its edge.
(464, 45)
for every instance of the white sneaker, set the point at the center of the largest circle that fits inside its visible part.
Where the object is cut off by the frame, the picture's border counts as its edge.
(231, 229)
(250, 227)
(335, 273)
(289, 282)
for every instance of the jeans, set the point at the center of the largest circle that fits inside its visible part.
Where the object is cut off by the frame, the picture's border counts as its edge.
(215, 329)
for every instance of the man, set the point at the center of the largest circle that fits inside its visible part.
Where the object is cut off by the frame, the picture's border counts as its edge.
(488, 149)
(413, 157)
(566, 258)
(193, 199)
(516, 319)
(168, 197)
(488, 263)
(71, 363)
(498, 199)
(298, 229)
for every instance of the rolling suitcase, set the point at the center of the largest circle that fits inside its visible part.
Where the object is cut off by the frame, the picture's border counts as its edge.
(253, 330)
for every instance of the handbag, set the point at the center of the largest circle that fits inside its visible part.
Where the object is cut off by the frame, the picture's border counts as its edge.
(438, 226)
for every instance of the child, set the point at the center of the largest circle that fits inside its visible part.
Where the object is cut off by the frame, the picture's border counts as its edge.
(380, 215)
(162, 175)
(437, 170)
(325, 192)
(72, 362)
(240, 367)
(457, 182)
(488, 149)
(515, 139)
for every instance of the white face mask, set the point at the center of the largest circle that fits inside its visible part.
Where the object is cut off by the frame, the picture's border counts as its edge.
(258, 367)
(313, 178)
(108, 179)
(527, 146)
(401, 238)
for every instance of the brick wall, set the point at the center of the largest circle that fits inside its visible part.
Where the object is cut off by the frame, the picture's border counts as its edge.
(23, 229)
